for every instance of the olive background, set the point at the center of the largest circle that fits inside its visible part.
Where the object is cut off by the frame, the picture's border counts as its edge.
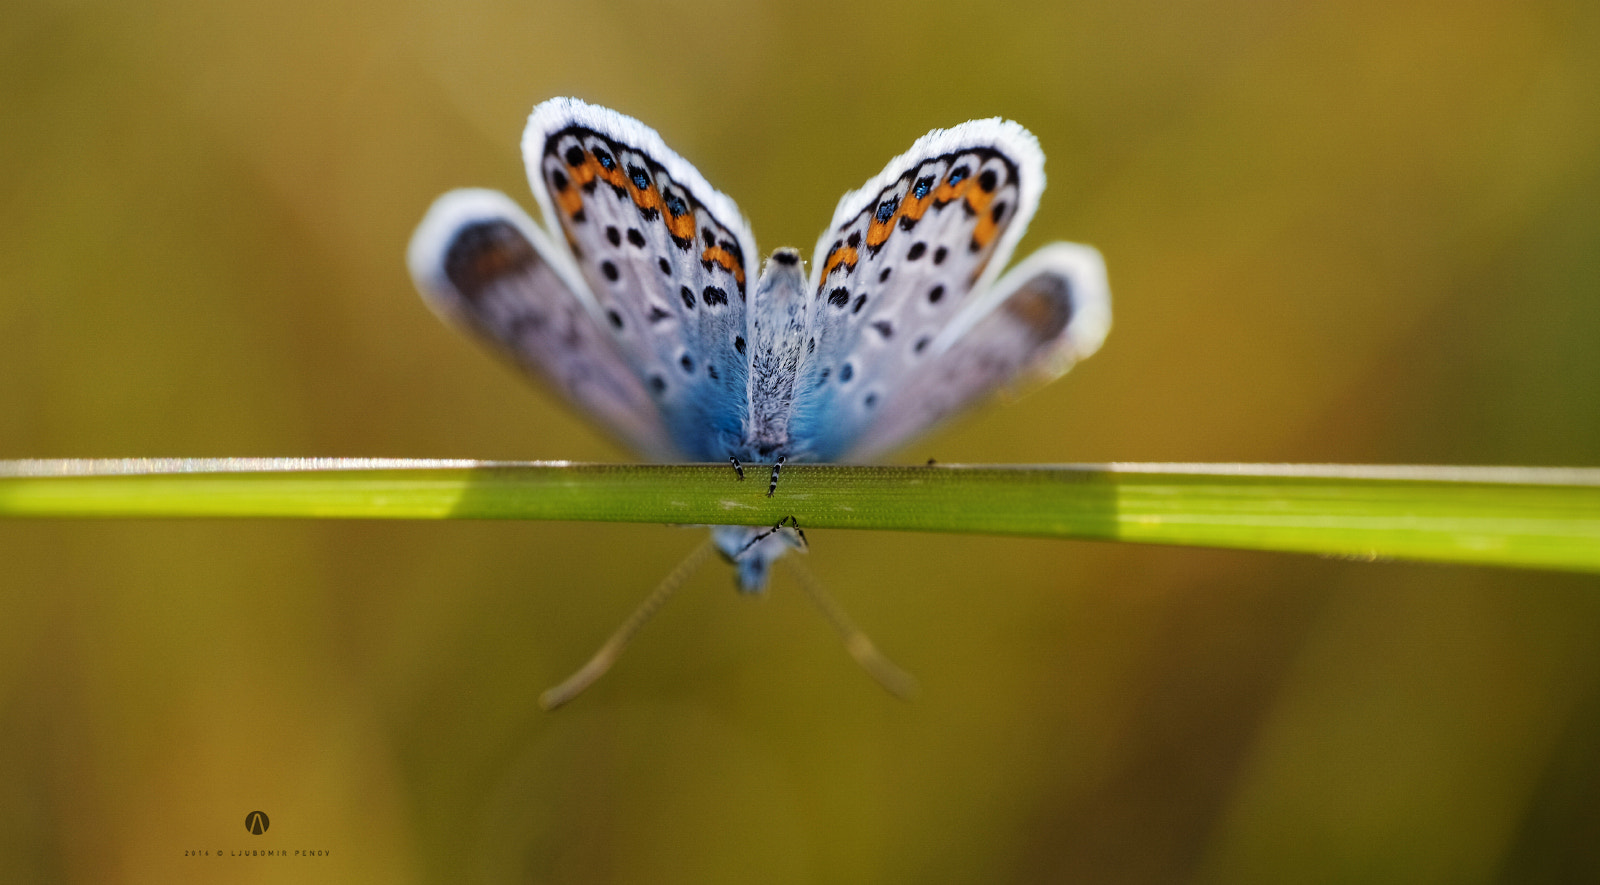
(1364, 232)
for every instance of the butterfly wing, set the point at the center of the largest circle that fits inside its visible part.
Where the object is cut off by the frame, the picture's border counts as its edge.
(664, 261)
(900, 261)
(482, 264)
(1050, 311)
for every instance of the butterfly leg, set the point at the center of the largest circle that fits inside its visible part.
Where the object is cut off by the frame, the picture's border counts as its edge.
(773, 485)
(789, 522)
(737, 467)
(795, 524)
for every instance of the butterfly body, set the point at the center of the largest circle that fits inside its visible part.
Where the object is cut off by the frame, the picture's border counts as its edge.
(641, 303)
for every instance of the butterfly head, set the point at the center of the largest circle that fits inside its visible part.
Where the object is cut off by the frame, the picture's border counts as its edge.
(782, 285)
(788, 256)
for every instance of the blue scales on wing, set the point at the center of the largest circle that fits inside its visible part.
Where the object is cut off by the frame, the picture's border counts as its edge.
(666, 259)
(905, 272)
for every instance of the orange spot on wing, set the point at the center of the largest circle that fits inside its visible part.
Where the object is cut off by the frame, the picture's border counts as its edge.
(614, 176)
(680, 226)
(590, 169)
(584, 172)
(947, 192)
(879, 231)
(913, 208)
(647, 199)
(570, 200)
(725, 258)
(844, 255)
(978, 200)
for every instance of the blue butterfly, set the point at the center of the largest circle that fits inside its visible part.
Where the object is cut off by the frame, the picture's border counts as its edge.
(641, 302)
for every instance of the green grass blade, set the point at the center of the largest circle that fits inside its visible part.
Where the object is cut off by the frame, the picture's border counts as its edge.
(1530, 517)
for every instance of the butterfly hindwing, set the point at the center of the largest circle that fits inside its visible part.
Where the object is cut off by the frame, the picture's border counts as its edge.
(666, 259)
(1050, 311)
(896, 265)
(482, 264)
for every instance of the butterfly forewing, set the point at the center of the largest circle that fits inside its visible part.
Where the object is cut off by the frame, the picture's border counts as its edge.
(900, 260)
(666, 258)
(483, 265)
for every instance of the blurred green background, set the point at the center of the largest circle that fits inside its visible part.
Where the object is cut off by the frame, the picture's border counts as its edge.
(1364, 232)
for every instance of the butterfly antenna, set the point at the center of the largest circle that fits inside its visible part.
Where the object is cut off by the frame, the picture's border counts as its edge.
(893, 679)
(608, 653)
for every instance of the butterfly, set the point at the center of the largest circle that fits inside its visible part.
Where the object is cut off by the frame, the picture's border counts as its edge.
(642, 303)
